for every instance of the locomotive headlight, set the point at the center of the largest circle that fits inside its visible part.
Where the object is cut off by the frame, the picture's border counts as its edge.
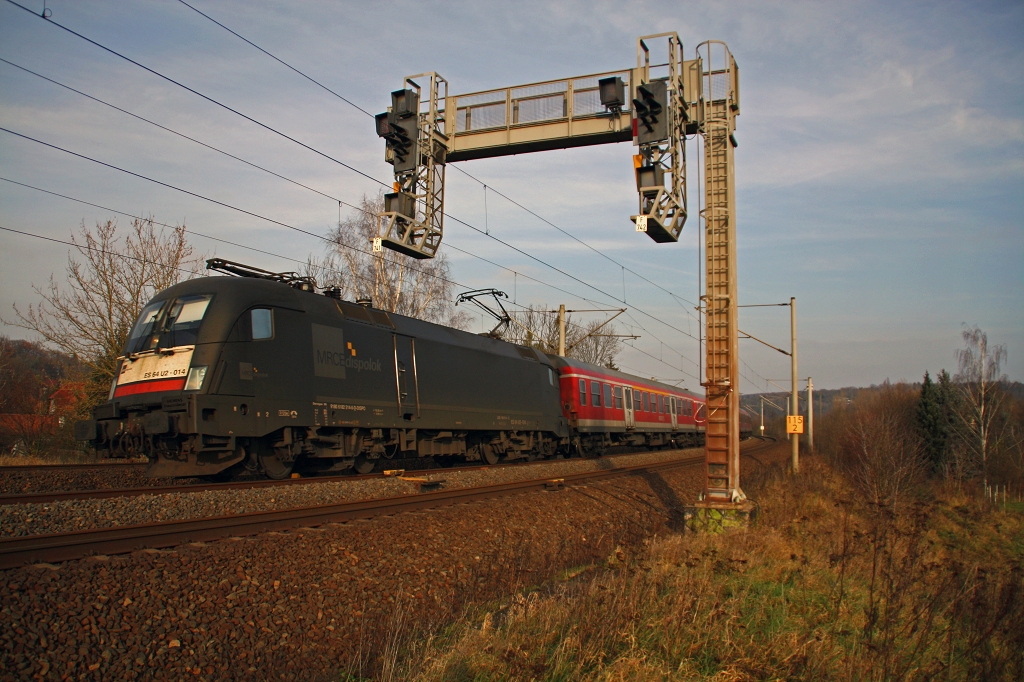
(195, 378)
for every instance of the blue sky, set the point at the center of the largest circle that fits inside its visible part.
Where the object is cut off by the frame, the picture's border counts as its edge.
(880, 167)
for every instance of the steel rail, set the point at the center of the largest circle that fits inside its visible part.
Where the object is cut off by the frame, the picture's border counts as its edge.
(105, 493)
(58, 547)
(70, 467)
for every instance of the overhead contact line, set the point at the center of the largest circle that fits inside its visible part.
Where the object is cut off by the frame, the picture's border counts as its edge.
(456, 167)
(316, 151)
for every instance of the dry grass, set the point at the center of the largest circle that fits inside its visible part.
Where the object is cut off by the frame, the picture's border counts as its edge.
(820, 588)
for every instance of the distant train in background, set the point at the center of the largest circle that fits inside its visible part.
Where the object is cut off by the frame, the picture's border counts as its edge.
(257, 371)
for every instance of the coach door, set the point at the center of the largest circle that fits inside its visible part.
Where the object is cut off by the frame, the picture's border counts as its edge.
(628, 397)
(674, 409)
(407, 389)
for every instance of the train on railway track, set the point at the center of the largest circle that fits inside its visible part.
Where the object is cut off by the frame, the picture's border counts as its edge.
(259, 371)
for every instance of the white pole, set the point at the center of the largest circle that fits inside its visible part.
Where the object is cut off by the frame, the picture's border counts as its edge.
(795, 404)
(810, 415)
(561, 330)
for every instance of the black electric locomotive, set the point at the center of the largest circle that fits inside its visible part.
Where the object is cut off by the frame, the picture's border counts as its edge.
(258, 371)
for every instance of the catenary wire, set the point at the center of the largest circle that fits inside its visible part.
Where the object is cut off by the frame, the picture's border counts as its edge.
(278, 175)
(297, 229)
(205, 97)
(675, 296)
(269, 128)
(86, 246)
(280, 61)
(303, 144)
(175, 132)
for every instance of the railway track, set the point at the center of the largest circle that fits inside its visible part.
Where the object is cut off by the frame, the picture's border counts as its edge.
(58, 547)
(79, 544)
(70, 467)
(103, 493)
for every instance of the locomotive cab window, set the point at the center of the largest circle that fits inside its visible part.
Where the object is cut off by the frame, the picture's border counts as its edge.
(595, 392)
(262, 323)
(143, 328)
(169, 324)
(583, 391)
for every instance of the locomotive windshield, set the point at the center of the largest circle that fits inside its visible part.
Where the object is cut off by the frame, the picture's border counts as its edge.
(168, 324)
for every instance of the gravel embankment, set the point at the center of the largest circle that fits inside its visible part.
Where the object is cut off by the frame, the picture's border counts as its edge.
(102, 477)
(312, 604)
(69, 515)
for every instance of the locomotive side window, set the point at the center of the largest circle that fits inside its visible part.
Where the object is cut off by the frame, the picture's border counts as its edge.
(583, 391)
(551, 377)
(608, 396)
(262, 323)
(618, 397)
(595, 392)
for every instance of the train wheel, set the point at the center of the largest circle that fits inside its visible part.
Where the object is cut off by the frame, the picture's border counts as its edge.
(363, 464)
(488, 455)
(274, 468)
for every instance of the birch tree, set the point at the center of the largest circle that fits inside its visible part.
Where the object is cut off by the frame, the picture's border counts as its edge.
(393, 281)
(980, 396)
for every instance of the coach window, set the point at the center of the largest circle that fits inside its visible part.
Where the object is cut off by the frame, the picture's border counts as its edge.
(583, 391)
(608, 396)
(595, 393)
(618, 397)
(661, 404)
(262, 324)
(647, 401)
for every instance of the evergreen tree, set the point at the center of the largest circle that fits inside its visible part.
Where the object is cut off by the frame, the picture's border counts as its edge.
(933, 419)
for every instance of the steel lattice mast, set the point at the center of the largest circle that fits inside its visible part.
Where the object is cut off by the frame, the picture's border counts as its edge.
(720, 107)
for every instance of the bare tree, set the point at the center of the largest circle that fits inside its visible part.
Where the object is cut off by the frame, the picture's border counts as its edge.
(539, 328)
(879, 446)
(980, 389)
(5, 360)
(90, 317)
(393, 281)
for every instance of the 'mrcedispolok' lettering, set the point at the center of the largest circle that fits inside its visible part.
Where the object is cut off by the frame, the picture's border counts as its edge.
(331, 356)
(340, 359)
